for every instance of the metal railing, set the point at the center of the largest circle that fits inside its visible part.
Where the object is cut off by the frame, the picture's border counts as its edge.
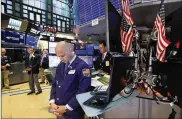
(133, 2)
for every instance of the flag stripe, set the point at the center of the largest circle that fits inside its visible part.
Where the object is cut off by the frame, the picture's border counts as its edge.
(162, 42)
(126, 26)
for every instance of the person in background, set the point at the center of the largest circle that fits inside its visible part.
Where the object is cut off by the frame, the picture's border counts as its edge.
(32, 64)
(44, 64)
(103, 60)
(72, 78)
(5, 66)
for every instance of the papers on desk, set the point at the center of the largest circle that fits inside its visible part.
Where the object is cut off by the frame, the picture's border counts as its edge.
(95, 82)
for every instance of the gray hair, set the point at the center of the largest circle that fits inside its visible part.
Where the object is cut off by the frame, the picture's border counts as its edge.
(3, 49)
(67, 47)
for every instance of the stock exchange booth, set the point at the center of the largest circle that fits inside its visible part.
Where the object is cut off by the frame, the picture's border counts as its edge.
(15, 45)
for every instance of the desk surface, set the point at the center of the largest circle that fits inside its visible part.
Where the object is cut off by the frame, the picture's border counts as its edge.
(117, 101)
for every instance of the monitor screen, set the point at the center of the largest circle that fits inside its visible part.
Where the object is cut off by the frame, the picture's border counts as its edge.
(85, 49)
(90, 49)
(96, 47)
(120, 66)
(42, 44)
(114, 19)
(12, 36)
(14, 24)
(52, 46)
(3, 35)
(22, 38)
(31, 41)
(79, 46)
(51, 38)
(87, 59)
(54, 61)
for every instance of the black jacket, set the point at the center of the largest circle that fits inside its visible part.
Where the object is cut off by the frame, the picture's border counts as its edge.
(34, 63)
(45, 62)
(5, 60)
(103, 64)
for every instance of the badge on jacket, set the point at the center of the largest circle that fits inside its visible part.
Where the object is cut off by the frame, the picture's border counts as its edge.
(107, 63)
(86, 72)
(71, 72)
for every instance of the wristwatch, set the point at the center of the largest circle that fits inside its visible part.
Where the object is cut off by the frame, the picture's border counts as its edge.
(66, 109)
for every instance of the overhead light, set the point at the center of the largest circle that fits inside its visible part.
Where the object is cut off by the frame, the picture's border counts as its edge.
(65, 36)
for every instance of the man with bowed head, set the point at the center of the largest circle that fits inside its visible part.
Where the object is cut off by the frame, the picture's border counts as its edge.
(72, 78)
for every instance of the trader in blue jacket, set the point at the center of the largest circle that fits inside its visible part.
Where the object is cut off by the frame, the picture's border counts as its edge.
(72, 78)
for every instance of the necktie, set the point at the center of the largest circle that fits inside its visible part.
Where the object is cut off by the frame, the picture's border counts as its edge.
(42, 58)
(66, 66)
(30, 61)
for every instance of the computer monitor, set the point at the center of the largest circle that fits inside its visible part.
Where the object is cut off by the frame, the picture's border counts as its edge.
(120, 65)
(42, 44)
(54, 61)
(79, 46)
(114, 23)
(90, 49)
(87, 59)
(52, 46)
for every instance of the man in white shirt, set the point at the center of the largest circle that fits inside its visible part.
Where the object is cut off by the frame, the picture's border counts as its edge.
(32, 64)
(103, 61)
(44, 64)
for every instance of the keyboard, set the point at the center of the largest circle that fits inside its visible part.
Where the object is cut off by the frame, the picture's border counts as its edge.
(98, 101)
(100, 90)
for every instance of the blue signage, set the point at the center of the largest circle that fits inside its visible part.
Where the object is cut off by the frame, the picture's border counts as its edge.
(31, 41)
(89, 50)
(22, 39)
(3, 35)
(14, 37)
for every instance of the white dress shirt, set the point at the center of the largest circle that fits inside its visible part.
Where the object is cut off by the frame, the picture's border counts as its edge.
(104, 55)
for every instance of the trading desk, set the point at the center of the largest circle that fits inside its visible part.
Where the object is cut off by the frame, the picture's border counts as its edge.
(130, 107)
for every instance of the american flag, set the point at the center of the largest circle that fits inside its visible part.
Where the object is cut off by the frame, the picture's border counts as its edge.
(125, 7)
(162, 42)
(126, 31)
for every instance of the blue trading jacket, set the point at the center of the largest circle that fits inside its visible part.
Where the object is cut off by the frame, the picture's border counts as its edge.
(67, 84)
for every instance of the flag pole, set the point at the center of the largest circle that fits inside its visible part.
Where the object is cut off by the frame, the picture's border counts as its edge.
(107, 26)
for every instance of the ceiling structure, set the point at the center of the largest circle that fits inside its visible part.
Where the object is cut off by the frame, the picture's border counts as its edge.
(143, 14)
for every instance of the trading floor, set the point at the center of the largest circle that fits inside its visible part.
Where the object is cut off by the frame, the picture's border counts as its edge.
(17, 104)
(96, 59)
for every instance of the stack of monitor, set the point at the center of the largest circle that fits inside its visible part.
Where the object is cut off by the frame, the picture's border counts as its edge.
(84, 49)
(52, 46)
(85, 52)
(31, 41)
(87, 59)
(54, 61)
